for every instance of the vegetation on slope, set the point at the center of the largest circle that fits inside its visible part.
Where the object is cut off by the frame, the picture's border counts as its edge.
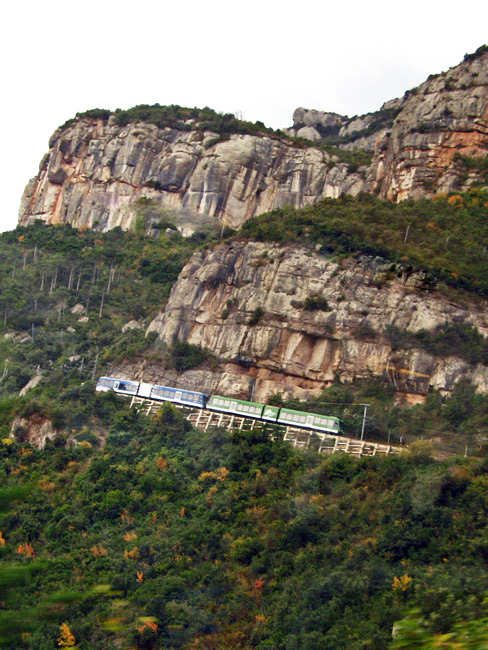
(139, 532)
(171, 538)
(118, 277)
(181, 118)
(447, 235)
(65, 295)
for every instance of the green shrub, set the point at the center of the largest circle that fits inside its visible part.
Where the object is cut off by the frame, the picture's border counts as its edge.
(256, 316)
(316, 302)
(183, 355)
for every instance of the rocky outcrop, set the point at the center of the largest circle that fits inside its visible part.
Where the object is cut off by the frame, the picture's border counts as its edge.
(96, 172)
(36, 431)
(445, 116)
(415, 139)
(281, 319)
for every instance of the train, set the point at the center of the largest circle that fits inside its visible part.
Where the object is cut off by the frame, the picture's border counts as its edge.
(265, 412)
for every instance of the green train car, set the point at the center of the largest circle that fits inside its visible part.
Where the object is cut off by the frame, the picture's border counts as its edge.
(305, 420)
(235, 406)
(275, 414)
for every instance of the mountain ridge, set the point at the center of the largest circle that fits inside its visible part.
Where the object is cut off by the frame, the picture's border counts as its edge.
(201, 166)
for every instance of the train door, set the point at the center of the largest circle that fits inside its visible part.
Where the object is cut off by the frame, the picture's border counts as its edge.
(233, 406)
(309, 421)
(144, 389)
(178, 396)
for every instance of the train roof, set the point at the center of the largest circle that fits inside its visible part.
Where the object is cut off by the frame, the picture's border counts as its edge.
(182, 390)
(238, 401)
(320, 415)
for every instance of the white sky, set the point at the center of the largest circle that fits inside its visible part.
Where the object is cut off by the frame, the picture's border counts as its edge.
(261, 58)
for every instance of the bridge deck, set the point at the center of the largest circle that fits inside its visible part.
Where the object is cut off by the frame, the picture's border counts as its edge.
(323, 443)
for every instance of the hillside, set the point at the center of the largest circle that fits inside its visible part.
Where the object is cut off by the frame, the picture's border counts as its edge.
(122, 530)
(336, 264)
(250, 319)
(168, 538)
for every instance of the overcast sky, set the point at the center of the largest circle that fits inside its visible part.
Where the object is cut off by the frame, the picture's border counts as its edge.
(261, 58)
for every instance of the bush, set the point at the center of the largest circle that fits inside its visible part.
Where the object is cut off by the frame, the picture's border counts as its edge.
(183, 355)
(256, 316)
(316, 303)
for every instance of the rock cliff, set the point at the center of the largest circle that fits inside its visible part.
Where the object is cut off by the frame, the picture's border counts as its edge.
(97, 169)
(282, 319)
(96, 172)
(417, 141)
(444, 118)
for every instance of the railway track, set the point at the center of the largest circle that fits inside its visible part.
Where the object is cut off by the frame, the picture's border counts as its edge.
(203, 419)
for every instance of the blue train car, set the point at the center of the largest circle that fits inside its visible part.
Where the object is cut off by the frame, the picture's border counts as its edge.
(122, 386)
(152, 391)
(178, 396)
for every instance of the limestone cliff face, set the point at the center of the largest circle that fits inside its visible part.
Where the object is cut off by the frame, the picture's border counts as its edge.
(95, 172)
(414, 140)
(445, 116)
(298, 351)
(247, 302)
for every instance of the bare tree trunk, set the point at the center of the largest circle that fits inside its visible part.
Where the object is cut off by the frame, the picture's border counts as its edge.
(101, 305)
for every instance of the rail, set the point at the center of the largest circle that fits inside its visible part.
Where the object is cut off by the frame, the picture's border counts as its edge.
(203, 419)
